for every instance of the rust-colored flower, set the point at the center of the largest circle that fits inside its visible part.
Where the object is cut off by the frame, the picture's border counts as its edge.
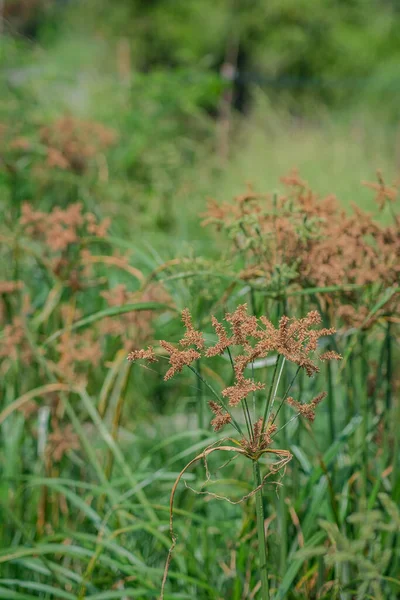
(307, 410)
(191, 337)
(224, 341)
(147, 355)
(242, 388)
(178, 358)
(221, 418)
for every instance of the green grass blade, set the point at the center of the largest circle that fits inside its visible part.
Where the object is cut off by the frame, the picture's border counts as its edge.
(108, 312)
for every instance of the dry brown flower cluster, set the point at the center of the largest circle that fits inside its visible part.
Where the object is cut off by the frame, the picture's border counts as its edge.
(62, 233)
(307, 410)
(384, 193)
(13, 343)
(260, 439)
(61, 228)
(221, 418)
(71, 143)
(249, 339)
(60, 441)
(317, 242)
(76, 351)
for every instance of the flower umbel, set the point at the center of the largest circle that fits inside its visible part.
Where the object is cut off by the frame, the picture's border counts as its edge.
(249, 338)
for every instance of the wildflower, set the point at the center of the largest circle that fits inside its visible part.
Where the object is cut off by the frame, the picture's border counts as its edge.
(97, 229)
(178, 358)
(310, 240)
(260, 439)
(223, 340)
(242, 388)
(242, 325)
(191, 335)
(221, 418)
(384, 193)
(330, 355)
(75, 349)
(71, 142)
(307, 410)
(147, 354)
(13, 343)
(292, 179)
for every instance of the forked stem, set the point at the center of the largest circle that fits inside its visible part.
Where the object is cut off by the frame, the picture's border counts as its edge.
(262, 542)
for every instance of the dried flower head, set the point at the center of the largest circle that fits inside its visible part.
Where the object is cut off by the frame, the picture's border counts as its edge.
(307, 410)
(178, 358)
(242, 388)
(384, 193)
(71, 143)
(299, 239)
(330, 355)
(249, 339)
(223, 340)
(147, 354)
(191, 337)
(221, 418)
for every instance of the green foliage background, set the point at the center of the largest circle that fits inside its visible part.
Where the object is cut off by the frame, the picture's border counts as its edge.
(317, 88)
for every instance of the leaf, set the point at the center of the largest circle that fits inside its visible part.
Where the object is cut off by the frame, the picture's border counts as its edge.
(295, 566)
(108, 312)
(40, 587)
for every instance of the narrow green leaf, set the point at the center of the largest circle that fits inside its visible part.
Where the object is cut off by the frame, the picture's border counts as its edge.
(294, 568)
(108, 312)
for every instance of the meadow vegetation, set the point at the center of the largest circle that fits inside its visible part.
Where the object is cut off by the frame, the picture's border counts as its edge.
(199, 311)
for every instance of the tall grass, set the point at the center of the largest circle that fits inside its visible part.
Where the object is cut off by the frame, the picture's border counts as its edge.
(86, 509)
(91, 446)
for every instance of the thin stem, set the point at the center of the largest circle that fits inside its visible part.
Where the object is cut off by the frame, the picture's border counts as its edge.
(231, 359)
(286, 395)
(286, 424)
(331, 403)
(200, 403)
(247, 418)
(262, 543)
(275, 391)
(220, 400)
(270, 394)
(276, 387)
(365, 414)
(254, 394)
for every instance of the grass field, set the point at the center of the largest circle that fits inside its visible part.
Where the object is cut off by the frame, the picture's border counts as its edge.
(103, 245)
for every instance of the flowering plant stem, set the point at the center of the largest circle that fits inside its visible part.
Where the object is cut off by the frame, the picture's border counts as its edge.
(262, 542)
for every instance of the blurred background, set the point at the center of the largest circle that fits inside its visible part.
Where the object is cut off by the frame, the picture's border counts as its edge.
(118, 120)
(203, 96)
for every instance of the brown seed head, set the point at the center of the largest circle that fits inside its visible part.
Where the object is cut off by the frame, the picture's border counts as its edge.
(307, 410)
(191, 335)
(147, 354)
(223, 340)
(221, 418)
(178, 358)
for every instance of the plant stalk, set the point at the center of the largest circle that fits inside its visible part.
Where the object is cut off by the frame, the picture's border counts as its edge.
(262, 542)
